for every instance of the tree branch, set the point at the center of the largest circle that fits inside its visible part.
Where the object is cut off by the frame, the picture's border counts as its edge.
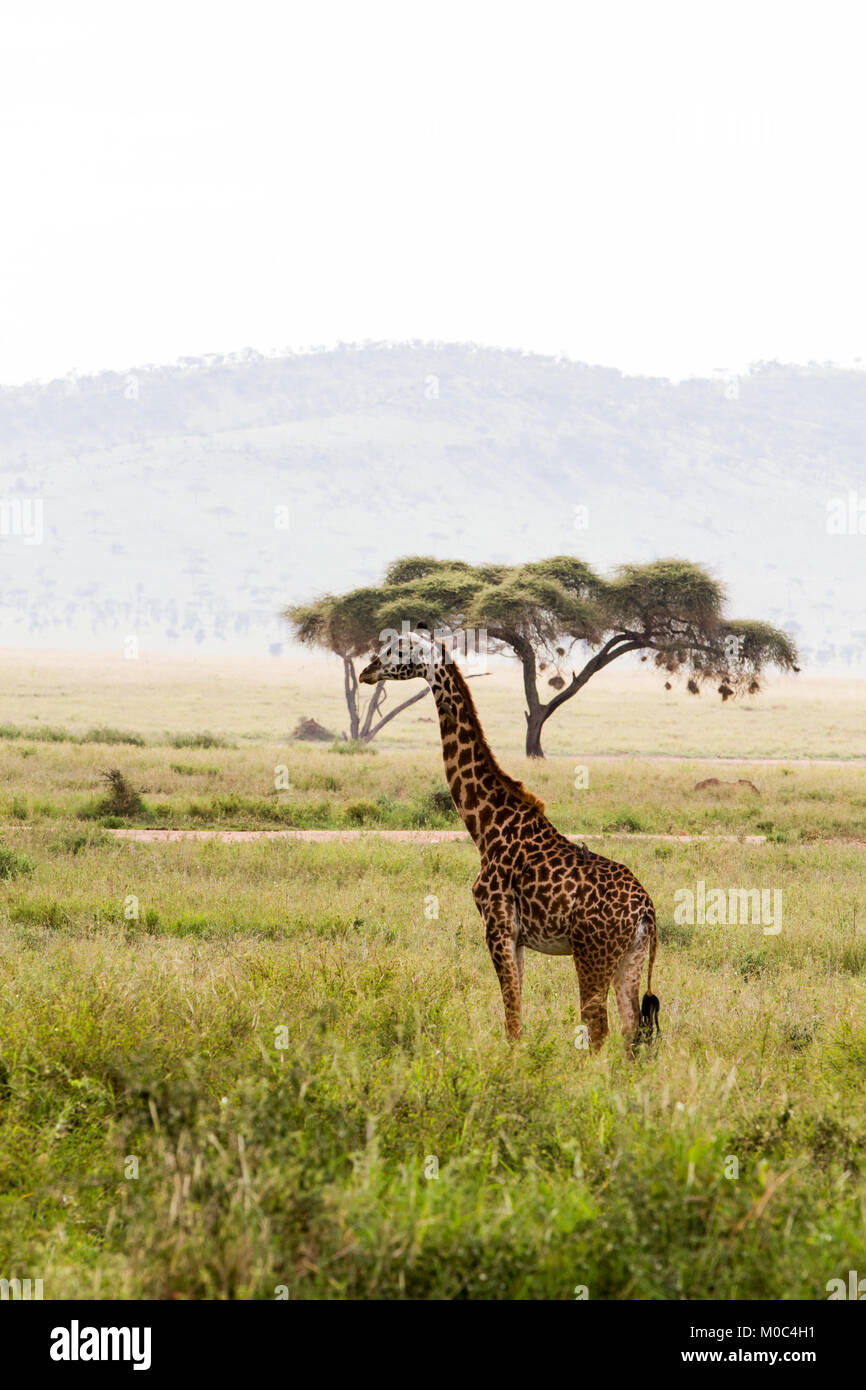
(373, 704)
(596, 663)
(394, 712)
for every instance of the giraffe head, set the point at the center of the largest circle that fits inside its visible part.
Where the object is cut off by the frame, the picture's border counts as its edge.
(405, 657)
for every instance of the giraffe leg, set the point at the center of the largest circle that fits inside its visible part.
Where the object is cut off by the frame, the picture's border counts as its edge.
(594, 985)
(519, 953)
(507, 962)
(499, 916)
(626, 987)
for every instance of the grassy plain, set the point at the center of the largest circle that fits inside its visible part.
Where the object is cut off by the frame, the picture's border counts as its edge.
(251, 1084)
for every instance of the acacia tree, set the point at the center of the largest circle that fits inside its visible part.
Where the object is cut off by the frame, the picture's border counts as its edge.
(669, 607)
(347, 626)
(544, 613)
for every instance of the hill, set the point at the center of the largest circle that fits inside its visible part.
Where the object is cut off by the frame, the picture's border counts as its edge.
(187, 505)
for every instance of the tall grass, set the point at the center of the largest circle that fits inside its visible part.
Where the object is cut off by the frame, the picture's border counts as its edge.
(292, 1049)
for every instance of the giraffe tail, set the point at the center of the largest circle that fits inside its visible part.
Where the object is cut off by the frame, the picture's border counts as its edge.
(649, 1008)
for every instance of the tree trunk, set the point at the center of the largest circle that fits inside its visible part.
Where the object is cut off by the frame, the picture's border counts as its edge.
(350, 685)
(534, 725)
(372, 706)
(537, 714)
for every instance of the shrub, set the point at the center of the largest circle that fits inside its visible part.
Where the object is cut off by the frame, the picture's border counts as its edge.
(433, 808)
(46, 735)
(362, 813)
(13, 865)
(106, 735)
(73, 841)
(41, 914)
(319, 782)
(753, 965)
(122, 798)
(624, 819)
(441, 801)
(49, 735)
(675, 933)
(204, 740)
(799, 1036)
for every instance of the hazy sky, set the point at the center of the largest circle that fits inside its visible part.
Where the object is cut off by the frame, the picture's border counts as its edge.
(662, 187)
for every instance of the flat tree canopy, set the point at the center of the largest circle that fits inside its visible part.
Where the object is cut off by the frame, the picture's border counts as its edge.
(545, 611)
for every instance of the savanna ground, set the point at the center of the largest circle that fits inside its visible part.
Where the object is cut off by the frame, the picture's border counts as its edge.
(249, 1084)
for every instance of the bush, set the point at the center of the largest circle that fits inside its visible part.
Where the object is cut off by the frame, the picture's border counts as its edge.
(46, 735)
(40, 914)
(319, 782)
(624, 819)
(434, 808)
(49, 735)
(122, 799)
(106, 735)
(73, 841)
(753, 965)
(199, 741)
(675, 933)
(362, 813)
(442, 801)
(13, 865)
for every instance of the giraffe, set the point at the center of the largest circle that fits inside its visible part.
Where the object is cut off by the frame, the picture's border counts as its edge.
(535, 887)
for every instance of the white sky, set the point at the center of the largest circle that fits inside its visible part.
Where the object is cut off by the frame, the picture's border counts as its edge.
(662, 187)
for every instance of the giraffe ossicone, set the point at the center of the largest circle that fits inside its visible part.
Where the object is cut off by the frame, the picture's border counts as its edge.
(535, 888)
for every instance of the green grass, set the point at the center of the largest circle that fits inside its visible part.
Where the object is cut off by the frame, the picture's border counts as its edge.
(405, 789)
(49, 735)
(155, 1141)
(154, 1037)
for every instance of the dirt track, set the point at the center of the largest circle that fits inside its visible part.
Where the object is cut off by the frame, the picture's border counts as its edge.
(724, 760)
(421, 837)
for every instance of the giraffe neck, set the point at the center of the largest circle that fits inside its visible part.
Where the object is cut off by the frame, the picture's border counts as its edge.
(483, 794)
